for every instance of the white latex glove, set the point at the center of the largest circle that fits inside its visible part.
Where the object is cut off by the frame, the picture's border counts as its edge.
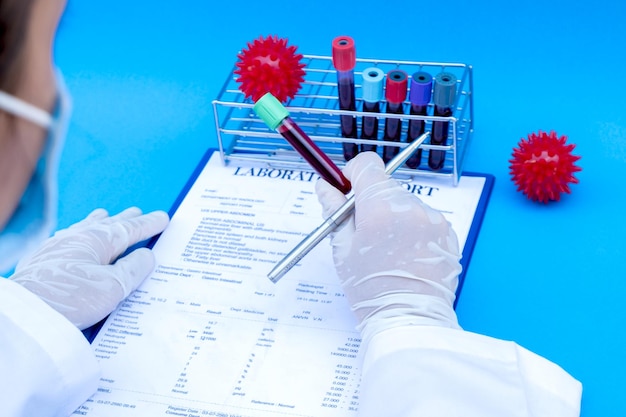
(396, 257)
(72, 270)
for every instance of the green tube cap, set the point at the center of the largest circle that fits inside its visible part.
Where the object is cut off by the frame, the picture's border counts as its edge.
(270, 110)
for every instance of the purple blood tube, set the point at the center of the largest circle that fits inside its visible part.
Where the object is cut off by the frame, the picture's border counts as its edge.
(344, 60)
(372, 88)
(444, 94)
(276, 117)
(395, 93)
(419, 96)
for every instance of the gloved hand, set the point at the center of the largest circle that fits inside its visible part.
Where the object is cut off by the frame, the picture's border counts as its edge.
(396, 257)
(72, 270)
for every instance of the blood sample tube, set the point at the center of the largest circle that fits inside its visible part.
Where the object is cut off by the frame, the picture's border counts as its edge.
(372, 88)
(444, 94)
(395, 93)
(344, 60)
(276, 117)
(419, 96)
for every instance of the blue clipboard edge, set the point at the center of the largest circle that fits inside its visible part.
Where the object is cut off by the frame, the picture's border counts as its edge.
(477, 222)
(468, 249)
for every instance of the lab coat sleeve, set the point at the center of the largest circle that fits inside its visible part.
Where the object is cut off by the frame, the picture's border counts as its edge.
(436, 372)
(47, 367)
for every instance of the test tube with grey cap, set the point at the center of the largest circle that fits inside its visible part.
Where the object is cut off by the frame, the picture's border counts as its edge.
(420, 92)
(444, 95)
(372, 94)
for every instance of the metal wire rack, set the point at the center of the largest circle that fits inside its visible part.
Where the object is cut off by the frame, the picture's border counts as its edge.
(243, 136)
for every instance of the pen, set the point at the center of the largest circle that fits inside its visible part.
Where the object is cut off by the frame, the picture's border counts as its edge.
(276, 117)
(344, 60)
(335, 219)
(395, 93)
(372, 88)
(419, 97)
(443, 98)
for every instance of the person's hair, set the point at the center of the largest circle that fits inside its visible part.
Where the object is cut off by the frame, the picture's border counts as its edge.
(14, 15)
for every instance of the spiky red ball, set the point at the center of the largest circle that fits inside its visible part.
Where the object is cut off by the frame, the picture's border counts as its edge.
(269, 65)
(542, 166)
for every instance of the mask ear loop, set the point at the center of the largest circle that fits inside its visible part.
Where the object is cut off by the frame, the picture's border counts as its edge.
(20, 108)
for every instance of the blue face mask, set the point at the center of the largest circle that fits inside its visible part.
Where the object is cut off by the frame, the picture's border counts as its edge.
(36, 215)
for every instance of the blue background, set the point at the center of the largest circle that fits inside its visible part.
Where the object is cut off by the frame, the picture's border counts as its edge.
(550, 277)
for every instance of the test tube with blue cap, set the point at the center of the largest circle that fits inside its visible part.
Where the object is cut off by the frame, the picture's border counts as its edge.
(420, 92)
(372, 94)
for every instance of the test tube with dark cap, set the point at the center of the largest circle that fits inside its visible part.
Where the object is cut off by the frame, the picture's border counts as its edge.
(395, 93)
(344, 61)
(444, 95)
(372, 92)
(420, 92)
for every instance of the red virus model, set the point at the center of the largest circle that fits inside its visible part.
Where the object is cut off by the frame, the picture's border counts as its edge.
(542, 166)
(268, 65)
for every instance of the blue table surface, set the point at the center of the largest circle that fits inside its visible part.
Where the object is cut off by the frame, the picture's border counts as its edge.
(550, 277)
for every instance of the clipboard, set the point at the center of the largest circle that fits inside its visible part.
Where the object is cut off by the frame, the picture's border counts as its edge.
(208, 335)
(468, 248)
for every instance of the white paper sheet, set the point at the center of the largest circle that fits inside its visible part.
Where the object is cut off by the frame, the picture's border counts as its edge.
(207, 334)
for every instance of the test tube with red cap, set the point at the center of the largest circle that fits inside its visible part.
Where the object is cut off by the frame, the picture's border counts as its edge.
(444, 94)
(420, 91)
(344, 61)
(395, 93)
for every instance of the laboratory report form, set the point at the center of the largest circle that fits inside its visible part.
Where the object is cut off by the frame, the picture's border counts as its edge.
(208, 334)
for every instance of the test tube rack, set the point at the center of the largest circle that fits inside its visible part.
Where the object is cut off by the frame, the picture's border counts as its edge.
(242, 136)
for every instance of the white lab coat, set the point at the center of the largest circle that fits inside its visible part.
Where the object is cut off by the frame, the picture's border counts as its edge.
(437, 371)
(47, 367)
